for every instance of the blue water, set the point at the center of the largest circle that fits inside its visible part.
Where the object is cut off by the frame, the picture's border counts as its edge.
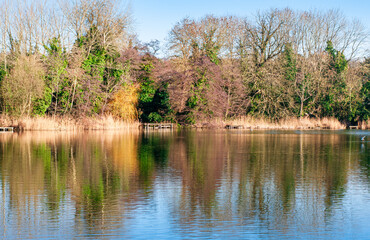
(185, 185)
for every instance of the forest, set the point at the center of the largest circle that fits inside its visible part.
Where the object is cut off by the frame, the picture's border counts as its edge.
(83, 58)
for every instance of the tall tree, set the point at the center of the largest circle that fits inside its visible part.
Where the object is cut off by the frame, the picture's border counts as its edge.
(23, 85)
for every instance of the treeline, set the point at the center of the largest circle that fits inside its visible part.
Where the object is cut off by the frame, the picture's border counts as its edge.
(82, 59)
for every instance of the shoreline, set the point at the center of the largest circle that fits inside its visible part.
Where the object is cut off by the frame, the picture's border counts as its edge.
(54, 123)
(111, 123)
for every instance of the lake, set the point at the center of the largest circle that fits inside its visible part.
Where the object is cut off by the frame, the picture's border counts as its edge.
(185, 184)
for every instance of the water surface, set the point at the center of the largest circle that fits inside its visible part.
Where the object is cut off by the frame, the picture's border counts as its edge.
(190, 184)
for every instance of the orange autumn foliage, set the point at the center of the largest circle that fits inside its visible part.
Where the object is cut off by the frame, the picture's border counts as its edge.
(124, 103)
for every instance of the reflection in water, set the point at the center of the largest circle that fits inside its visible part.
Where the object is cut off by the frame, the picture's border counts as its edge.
(184, 184)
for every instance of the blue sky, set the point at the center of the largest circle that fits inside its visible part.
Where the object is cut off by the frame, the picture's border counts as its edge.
(153, 19)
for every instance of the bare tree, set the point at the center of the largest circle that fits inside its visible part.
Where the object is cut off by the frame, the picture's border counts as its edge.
(207, 36)
(312, 29)
(182, 38)
(153, 47)
(102, 21)
(266, 36)
(308, 83)
(28, 25)
(24, 84)
(4, 29)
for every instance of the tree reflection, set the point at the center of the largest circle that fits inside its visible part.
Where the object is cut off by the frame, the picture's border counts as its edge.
(208, 178)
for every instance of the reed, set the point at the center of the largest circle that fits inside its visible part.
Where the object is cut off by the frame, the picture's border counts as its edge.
(288, 123)
(109, 122)
(364, 125)
(53, 123)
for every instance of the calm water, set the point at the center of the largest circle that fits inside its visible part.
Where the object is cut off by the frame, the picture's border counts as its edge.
(181, 185)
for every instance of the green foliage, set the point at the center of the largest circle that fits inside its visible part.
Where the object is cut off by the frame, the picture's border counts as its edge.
(147, 90)
(57, 63)
(190, 118)
(41, 105)
(336, 100)
(2, 73)
(192, 101)
(113, 76)
(338, 60)
(162, 106)
(54, 47)
(80, 42)
(154, 101)
(327, 104)
(212, 53)
(364, 108)
(290, 65)
(197, 101)
(94, 64)
(209, 76)
(155, 117)
(102, 74)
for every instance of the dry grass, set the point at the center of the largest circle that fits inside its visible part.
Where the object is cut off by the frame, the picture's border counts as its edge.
(110, 123)
(364, 125)
(67, 123)
(214, 123)
(291, 123)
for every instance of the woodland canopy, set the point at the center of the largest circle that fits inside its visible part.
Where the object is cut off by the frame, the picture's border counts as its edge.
(82, 58)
